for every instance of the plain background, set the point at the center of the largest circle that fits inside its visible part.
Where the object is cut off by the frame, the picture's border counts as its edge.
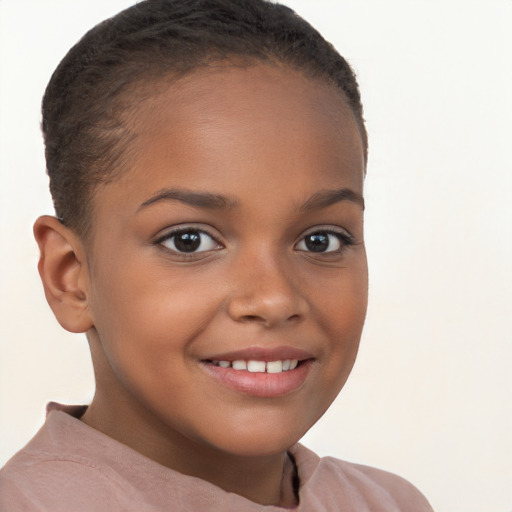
(430, 396)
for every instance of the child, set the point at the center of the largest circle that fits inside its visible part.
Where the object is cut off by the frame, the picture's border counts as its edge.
(206, 161)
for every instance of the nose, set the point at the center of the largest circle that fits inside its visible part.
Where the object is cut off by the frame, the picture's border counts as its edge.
(266, 292)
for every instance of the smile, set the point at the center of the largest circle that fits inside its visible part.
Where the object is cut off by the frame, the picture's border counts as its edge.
(261, 372)
(255, 366)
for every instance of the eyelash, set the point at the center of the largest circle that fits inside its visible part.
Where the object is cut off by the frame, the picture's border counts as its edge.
(169, 236)
(344, 238)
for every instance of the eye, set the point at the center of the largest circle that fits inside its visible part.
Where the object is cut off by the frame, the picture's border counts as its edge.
(324, 241)
(189, 240)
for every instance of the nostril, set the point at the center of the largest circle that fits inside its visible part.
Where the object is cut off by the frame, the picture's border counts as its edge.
(257, 318)
(252, 318)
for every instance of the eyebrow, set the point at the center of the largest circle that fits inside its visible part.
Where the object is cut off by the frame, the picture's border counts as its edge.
(317, 201)
(326, 198)
(198, 199)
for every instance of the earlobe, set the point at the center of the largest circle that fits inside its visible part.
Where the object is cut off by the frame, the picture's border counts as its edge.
(64, 273)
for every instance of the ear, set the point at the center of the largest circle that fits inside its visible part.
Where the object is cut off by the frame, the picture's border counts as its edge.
(63, 270)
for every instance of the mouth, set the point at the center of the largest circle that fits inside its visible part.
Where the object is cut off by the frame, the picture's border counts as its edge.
(255, 366)
(261, 373)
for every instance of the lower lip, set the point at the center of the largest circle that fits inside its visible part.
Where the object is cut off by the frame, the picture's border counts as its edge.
(261, 384)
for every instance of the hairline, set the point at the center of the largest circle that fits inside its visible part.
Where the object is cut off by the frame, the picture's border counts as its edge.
(149, 84)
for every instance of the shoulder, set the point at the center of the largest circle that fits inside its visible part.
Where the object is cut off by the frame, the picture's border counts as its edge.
(58, 471)
(49, 485)
(41, 482)
(362, 487)
(405, 494)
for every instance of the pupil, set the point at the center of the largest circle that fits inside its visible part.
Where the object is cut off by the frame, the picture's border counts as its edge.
(187, 242)
(317, 242)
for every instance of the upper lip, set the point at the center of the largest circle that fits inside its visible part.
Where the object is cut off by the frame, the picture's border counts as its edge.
(262, 354)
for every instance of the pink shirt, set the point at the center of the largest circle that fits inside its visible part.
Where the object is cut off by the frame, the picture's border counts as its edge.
(70, 467)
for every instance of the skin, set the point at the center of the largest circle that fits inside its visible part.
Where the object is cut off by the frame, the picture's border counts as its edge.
(270, 140)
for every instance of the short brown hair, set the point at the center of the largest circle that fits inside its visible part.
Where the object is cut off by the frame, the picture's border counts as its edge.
(86, 140)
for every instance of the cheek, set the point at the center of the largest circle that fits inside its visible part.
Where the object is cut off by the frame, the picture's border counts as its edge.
(149, 317)
(342, 299)
(342, 313)
(146, 329)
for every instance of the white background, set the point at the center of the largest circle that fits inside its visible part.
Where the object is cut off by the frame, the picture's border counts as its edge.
(430, 396)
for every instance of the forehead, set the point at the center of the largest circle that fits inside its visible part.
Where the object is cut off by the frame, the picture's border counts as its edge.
(262, 126)
(250, 95)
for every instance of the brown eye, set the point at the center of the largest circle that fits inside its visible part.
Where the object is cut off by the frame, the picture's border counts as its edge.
(317, 242)
(189, 241)
(324, 242)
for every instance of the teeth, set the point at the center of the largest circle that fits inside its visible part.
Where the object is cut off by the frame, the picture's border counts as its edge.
(274, 366)
(255, 366)
(240, 365)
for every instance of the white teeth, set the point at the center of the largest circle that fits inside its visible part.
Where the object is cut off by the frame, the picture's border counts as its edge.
(274, 366)
(256, 366)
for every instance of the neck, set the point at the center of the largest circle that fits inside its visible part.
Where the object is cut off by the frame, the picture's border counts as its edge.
(268, 480)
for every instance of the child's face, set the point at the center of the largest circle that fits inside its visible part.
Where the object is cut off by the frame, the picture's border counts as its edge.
(237, 234)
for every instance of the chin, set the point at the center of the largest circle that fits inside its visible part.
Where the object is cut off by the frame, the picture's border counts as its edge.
(259, 438)
(253, 446)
